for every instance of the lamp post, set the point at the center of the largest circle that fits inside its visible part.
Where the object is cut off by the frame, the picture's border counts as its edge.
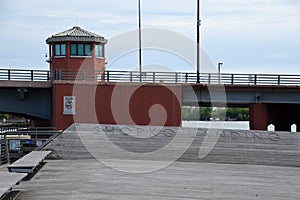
(198, 41)
(219, 71)
(140, 40)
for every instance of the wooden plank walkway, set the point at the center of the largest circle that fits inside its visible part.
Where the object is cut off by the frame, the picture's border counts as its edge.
(75, 174)
(89, 179)
(8, 180)
(29, 162)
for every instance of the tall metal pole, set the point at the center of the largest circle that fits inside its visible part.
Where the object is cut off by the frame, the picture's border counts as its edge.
(198, 41)
(140, 40)
(219, 72)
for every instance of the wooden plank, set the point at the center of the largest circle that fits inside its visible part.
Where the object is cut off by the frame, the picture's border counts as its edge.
(89, 179)
(8, 180)
(29, 162)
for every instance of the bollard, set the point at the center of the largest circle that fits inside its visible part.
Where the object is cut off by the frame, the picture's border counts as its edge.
(294, 128)
(271, 127)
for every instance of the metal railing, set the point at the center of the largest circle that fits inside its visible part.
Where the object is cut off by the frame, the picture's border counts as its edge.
(149, 77)
(43, 135)
(24, 75)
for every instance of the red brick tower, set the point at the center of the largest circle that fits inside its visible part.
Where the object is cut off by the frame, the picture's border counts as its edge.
(76, 49)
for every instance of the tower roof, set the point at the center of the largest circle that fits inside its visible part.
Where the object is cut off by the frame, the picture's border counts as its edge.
(76, 34)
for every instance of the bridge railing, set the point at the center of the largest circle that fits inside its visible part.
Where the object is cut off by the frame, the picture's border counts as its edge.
(24, 75)
(149, 77)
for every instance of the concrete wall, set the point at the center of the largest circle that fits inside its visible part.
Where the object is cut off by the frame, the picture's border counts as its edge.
(118, 104)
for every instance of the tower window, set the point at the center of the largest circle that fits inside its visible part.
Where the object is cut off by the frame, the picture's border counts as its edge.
(80, 49)
(60, 50)
(99, 50)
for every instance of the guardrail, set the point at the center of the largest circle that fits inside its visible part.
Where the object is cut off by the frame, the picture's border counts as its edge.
(149, 77)
(24, 75)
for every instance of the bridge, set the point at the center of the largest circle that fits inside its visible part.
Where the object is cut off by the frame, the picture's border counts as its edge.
(39, 94)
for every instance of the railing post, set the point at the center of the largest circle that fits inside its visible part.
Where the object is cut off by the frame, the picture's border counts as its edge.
(31, 72)
(59, 74)
(6, 148)
(209, 78)
(176, 77)
(84, 75)
(186, 77)
(278, 81)
(48, 75)
(153, 77)
(130, 77)
(8, 75)
(232, 79)
(107, 77)
(255, 79)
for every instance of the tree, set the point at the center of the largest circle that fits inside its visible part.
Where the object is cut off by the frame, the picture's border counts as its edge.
(4, 116)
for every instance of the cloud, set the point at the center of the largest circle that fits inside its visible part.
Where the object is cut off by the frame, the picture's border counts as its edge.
(238, 32)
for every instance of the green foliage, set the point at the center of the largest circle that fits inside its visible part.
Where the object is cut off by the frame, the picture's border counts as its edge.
(239, 114)
(4, 116)
(196, 113)
(205, 113)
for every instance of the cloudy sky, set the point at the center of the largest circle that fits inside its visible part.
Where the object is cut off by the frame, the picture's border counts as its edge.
(248, 36)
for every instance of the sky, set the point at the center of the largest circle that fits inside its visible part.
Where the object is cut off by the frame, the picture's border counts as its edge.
(248, 36)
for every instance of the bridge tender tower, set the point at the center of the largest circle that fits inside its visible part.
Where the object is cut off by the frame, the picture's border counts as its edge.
(81, 95)
(76, 49)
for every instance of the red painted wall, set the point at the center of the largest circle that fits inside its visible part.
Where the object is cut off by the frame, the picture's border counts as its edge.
(74, 63)
(258, 116)
(118, 104)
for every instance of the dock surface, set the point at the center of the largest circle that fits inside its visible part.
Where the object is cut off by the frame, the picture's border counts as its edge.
(89, 179)
(8, 180)
(73, 172)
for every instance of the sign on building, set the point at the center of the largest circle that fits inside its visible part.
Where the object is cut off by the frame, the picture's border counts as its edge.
(69, 105)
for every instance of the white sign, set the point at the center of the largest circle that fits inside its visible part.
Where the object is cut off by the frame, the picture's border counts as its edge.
(14, 145)
(69, 105)
(39, 143)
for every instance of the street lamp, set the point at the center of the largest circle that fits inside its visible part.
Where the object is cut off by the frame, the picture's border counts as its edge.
(219, 71)
(140, 40)
(198, 41)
